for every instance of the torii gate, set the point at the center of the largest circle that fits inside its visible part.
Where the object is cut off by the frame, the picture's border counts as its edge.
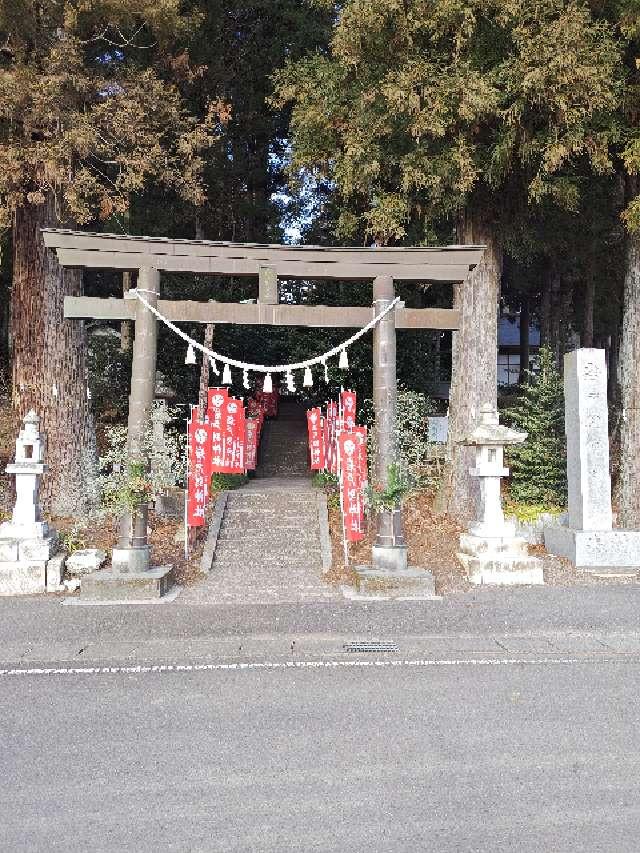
(149, 255)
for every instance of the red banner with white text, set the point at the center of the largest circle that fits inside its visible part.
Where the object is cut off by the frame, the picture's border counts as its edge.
(351, 486)
(199, 450)
(315, 430)
(252, 428)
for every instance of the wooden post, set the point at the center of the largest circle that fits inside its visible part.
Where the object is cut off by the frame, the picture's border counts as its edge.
(132, 554)
(204, 370)
(389, 524)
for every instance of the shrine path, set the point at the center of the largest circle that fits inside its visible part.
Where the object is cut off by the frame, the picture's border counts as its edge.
(269, 546)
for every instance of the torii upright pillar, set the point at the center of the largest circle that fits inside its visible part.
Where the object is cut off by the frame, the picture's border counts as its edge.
(131, 577)
(132, 553)
(389, 550)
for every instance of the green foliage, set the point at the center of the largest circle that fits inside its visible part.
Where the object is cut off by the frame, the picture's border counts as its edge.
(527, 512)
(538, 467)
(222, 482)
(129, 490)
(72, 540)
(389, 497)
(325, 480)
(122, 485)
(88, 112)
(417, 105)
(411, 438)
(331, 485)
(109, 376)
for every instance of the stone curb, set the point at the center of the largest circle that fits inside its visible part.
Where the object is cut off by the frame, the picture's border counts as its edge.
(211, 544)
(325, 537)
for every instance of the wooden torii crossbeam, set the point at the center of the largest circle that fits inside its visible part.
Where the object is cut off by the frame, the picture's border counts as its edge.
(149, 255)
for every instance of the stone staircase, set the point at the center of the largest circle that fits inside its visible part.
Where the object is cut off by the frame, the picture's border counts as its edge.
(269, 545)
(283, 450)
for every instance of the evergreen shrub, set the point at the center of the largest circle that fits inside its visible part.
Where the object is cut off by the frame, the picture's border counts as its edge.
(538, 467)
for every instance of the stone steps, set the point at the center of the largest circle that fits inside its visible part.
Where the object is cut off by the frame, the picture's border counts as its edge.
(269, 545)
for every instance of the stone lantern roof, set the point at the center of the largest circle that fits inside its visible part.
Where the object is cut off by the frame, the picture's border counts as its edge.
(490, 432)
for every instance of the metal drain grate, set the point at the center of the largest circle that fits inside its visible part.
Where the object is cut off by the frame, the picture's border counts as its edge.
(371, 646)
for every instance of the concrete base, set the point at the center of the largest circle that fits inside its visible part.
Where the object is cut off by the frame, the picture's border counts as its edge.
(131, 560)
(19, 578)
(28, 550)
(595, 550)
(34, 530)
(406, 583)
(502, 561)
(105, 585)
(389, 558)
(502, 570)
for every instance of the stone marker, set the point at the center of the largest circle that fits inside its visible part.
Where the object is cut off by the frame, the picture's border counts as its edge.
(85, 560)
(588, 540)
(26, 542)
(491, 552)
(587, 430)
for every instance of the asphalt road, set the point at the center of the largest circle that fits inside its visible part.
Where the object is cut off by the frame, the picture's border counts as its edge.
(451, 754)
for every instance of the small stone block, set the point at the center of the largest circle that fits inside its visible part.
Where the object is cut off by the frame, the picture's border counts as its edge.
(9, 549)
(85, 561)
(130, 560)
(17, 578)
(104, 585)
(389, 558)
(396, 584)
(591, 550)
(38, 549)
(170, 506)
(55, 572)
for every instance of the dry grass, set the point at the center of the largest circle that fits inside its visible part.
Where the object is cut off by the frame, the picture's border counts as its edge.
(432, 540)
(162, 532)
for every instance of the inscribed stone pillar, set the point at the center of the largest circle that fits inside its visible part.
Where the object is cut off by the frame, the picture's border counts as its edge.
(586, 427)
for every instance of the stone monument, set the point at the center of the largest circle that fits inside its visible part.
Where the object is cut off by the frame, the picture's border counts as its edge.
(491, 552)
(588, 539)
(27, 544)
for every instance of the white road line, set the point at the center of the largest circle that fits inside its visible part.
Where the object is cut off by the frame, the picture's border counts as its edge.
(311, 664)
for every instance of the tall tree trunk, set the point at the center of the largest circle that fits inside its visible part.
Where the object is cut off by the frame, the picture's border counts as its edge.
(556, 314)
(545, 308)
(475, 356)
(204, 370)
(587, 317)
(524, 340)
(49, 363)
(629, 375)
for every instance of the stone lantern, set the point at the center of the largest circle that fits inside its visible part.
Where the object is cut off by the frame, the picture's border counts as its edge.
(26, 521)
(490, 551)
(28, 560)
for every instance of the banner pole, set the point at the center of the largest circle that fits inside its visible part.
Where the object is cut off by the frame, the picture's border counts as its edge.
(186, 499)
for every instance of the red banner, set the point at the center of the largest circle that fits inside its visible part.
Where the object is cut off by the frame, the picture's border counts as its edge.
(252, 428)
(351, 486)
(348, 409)
(216, 399)
(233, 437)
(332, 454)
(316, 439)
(360, 433)
(199, 449)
